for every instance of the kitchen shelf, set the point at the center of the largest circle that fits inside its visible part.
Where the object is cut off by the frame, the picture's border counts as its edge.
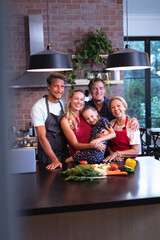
(33, 139)
(86, 82)
(101, 55)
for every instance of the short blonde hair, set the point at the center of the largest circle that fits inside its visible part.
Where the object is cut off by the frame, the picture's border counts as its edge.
(117, 98)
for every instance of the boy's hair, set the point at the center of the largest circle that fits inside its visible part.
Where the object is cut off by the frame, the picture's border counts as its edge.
(90, 85)
(117, 98)
(53, 76)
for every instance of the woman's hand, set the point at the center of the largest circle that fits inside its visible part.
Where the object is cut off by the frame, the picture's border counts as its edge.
(118, 159)
(113, 156)
(100, 146)
(95, 142)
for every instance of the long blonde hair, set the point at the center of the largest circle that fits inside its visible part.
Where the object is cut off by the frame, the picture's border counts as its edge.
(70, 116)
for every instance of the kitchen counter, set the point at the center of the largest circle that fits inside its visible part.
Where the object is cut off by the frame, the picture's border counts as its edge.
(47, 192)
(115, 208)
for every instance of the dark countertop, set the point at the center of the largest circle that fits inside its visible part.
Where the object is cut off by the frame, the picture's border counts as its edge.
(46, 192)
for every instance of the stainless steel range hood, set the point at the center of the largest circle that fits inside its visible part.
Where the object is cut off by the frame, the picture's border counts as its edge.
(36, 40)
(29, 80)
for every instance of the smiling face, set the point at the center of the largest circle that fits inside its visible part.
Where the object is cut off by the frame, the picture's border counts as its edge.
(77, 101)
(91, 116)
(56, 90)
(117, 108)
(98, 91)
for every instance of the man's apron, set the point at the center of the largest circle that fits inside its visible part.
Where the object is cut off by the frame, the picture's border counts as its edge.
(55, 136)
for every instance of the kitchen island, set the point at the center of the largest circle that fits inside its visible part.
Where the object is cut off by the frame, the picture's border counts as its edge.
(117, 207)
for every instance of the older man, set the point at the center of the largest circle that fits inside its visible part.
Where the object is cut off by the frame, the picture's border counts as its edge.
(46, 115)
(100, 102)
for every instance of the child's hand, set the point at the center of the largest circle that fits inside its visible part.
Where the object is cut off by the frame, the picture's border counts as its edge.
(102, 133)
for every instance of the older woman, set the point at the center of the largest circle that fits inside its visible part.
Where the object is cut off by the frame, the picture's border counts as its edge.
(127, 142)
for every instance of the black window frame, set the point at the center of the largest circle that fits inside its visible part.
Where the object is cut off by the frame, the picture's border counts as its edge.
(147, 41)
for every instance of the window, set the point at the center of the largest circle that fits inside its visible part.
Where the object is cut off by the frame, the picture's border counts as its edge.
(142, 87)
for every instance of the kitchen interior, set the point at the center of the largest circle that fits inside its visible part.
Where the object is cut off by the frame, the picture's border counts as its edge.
(31, 30)
(69, 21)
(27, 87)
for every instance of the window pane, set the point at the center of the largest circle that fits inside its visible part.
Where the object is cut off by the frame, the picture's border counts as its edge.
(135, 88)
(155, 83)
(135, 97)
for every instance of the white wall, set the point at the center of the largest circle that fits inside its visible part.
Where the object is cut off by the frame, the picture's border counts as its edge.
(143, 18)
(142, 25)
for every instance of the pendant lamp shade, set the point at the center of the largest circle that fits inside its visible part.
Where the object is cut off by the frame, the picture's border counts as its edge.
(128, 59)
(49, 61)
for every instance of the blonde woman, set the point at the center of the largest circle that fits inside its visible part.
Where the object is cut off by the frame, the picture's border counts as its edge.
(127, 142)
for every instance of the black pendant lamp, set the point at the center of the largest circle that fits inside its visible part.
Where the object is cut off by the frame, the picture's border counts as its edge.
(128, 58)
(49, 60)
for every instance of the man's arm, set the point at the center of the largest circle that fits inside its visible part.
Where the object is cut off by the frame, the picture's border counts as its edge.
(41, 133)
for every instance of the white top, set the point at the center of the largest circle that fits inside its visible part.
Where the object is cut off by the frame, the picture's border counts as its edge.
(134, 136)
(39, 111)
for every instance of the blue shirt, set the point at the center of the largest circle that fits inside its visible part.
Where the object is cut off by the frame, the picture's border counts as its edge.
(104, 112)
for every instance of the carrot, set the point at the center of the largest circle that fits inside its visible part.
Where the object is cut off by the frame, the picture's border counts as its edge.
(117, 172)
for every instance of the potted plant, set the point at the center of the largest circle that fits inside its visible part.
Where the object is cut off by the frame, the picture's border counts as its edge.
(93, 50)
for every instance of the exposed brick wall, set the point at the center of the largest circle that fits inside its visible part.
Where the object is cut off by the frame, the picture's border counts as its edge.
(69, 21)
(23, 100)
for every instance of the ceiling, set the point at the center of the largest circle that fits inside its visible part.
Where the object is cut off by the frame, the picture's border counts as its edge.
(143, 7)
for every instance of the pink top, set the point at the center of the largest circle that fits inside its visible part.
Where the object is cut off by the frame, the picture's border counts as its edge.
(82, 133)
